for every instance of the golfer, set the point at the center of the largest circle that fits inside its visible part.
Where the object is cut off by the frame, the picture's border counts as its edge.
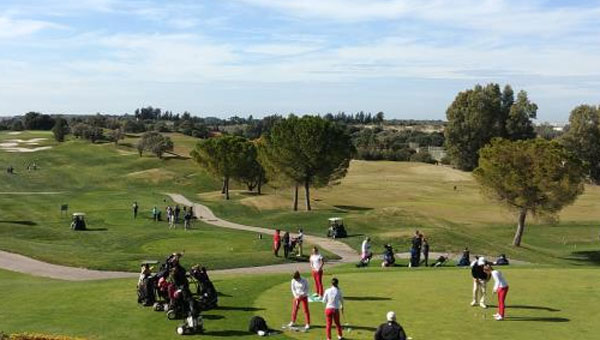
(316, 266)
(300, 293)
(390, 330)
(333, 301)
(480, 279)
(501, 288)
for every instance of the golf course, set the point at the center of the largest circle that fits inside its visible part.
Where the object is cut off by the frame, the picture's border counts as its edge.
(553, 281)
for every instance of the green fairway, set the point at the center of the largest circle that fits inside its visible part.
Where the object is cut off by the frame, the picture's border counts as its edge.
(103, 182)
(389, 200)
(434, 304)
(430, 304)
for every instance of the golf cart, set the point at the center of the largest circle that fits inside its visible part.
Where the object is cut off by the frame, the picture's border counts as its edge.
(336, 228)
(78, 222)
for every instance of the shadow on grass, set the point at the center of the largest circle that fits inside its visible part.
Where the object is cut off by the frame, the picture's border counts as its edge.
(366, 298)
(589, 256)
(535, 319)
(95, 229)
(227, 333)
(243, 309)
(27, 223)
(212, 317)
(548, 309)
(352, 208)
(345, 327)
(222, 294)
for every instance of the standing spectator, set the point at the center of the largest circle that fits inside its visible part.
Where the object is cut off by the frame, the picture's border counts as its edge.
(501, 288)
(177, 212)
(415, 250)
(333, 300)
(425, 248)
(276, 242)
(155, 214)
(135, 208)
(390, 330)
(286, 244)
(172, 219)
(187, 219)
(300, 241)
(316, 265)
(169, 211)
(480, 279)
(300, 293)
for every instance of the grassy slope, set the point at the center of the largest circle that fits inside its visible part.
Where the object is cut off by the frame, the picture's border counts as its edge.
(103, 183)
(430, 303)
(389, 200)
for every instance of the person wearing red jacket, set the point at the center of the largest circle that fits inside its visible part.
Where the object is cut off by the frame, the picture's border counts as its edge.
(276, 242)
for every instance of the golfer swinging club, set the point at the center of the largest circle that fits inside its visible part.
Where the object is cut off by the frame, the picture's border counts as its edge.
(333, 301)
(480, 279)
(300, 292)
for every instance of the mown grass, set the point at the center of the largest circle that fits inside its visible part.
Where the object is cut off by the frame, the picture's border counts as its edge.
(103, 182)
(430, 303)
(390, 200)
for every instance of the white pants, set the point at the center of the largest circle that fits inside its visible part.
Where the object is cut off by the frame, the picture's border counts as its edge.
(479, 289)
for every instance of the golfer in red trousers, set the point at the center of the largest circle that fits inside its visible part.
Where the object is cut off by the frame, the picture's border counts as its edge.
(316, 265)
(300, 292)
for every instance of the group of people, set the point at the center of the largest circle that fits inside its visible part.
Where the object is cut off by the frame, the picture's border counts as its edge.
(482, 271)
(333, 300)
(389, 259)
(288, 243)
(30, 166)
(174, 214)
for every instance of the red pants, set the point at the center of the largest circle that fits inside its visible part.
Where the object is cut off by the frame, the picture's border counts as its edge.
(318, 276)
(296, 305)
(501, 298)
(334, 314)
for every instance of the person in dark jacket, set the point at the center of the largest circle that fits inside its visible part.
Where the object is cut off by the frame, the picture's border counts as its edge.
(286, 244)
(390, 330)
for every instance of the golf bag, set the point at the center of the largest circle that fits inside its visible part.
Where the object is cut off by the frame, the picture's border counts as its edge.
(502, 260)
(365, 260)
(440, 261)
(257, 324)
(147, 291)
(206, 294)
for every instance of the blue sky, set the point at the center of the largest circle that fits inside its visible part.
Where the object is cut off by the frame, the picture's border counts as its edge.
(407, 58)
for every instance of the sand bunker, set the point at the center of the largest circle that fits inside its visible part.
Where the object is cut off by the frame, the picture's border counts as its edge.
(15, 133)
(21, 145)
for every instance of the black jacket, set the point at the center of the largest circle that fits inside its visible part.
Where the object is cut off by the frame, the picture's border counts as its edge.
(390, 330)
(478, 273)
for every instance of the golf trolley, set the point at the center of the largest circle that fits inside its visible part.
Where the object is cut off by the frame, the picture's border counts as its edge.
(169, 290)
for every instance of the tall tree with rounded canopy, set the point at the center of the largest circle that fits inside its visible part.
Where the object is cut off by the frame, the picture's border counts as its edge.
(479, 114)
(310, 151)
(225, 156)
(534, 176)
(583, 138)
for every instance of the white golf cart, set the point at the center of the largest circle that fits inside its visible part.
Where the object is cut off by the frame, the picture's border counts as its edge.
(78, 222)
(336, 228)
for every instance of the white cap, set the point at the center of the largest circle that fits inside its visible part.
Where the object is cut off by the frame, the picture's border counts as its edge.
(261, 333)
(391, 316)
(481, 261)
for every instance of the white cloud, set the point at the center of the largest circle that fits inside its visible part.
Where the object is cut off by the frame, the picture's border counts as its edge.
(15, 28)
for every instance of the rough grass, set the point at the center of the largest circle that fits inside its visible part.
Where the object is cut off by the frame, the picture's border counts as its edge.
(389, 200)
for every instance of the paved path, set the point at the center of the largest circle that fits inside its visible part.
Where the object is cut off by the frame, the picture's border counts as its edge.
(27, 265)
(203, 213)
